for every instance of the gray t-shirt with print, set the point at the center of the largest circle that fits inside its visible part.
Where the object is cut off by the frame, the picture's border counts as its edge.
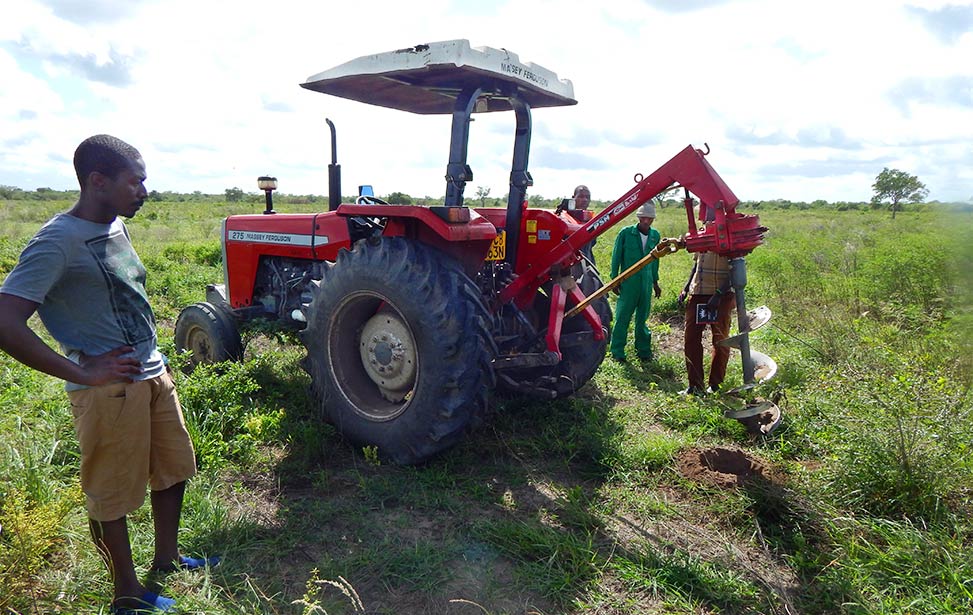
(90, 285)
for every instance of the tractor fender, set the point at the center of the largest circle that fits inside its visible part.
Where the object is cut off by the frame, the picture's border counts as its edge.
(467, 241)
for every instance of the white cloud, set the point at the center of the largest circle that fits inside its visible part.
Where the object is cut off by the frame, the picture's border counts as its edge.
(801, 100)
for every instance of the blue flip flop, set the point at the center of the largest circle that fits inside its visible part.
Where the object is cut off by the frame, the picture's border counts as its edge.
(196, 563)
(191, 563)
(154, 603)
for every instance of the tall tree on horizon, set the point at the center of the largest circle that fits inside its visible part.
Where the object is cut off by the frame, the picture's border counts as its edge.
(897, 187)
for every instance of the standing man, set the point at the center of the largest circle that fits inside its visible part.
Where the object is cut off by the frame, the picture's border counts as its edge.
(635, 294)
(84, 279)
(710, 302)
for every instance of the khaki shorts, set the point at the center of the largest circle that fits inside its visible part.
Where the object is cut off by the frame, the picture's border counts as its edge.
(131, 435)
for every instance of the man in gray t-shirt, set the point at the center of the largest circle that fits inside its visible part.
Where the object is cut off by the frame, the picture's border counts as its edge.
(86, 273)
(87, 284)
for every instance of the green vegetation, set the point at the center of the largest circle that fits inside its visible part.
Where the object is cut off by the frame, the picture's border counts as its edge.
(899, 186)
(580, 505)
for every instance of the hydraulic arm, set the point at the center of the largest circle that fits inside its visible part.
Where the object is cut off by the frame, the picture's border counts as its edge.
(729, 233)
(725, 232)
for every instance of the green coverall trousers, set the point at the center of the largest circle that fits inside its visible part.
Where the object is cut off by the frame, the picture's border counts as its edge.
(633, 301)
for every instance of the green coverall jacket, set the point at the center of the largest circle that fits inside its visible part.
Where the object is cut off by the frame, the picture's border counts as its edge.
(636, 292)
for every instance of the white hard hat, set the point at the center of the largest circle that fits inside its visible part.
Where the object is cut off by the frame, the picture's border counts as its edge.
(647, 210)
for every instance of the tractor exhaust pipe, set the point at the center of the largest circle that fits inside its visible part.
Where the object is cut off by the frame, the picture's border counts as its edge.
(334, 172)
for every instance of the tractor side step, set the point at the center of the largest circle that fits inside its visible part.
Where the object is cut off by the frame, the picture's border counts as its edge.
(527, 359)
(528, 388)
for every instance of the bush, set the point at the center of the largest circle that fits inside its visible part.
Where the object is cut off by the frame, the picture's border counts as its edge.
(903, 443)
(31, 532)
(217, 402)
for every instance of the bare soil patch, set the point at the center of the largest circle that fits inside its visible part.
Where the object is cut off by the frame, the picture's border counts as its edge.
(671, 342)
(723, 467)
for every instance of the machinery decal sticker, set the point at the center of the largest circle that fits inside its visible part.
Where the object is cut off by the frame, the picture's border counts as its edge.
(594, 226)
(531, 231)
(290, 239)
(519, 70)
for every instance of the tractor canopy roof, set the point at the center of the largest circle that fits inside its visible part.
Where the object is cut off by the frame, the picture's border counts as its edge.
(428, 79)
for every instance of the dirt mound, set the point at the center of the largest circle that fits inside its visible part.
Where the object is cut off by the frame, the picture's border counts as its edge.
(723, 466)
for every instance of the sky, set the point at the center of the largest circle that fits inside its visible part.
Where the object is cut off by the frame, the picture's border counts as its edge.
(798, 100)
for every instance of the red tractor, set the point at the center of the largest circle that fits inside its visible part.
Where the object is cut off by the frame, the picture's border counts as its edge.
(413, 315)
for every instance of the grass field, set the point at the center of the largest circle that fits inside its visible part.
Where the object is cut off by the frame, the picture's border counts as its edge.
(607, 502)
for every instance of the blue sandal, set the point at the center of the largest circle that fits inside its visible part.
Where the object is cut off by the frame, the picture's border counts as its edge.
(154, 603)
(196, 563)
(191, 563)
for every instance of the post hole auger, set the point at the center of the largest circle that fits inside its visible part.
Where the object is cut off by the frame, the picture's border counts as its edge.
(735, 237)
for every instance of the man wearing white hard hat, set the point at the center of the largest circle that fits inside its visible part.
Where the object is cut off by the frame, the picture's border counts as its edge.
(635, 294)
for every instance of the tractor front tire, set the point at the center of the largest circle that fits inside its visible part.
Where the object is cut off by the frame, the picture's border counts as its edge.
(399, 348)
(208, 333)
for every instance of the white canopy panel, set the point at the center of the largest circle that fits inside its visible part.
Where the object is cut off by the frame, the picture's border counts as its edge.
(428, 78)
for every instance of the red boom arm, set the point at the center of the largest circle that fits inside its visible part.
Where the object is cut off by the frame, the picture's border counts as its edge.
(731, 234)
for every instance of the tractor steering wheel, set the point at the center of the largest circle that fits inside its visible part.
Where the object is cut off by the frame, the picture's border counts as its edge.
(369, 200)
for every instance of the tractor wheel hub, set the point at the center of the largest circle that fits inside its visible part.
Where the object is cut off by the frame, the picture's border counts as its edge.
(388, 353)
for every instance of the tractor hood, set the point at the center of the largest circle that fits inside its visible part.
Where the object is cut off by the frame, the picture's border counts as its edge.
(427, 79)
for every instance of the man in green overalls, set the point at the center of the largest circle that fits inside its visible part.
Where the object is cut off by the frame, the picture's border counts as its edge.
(635, 294)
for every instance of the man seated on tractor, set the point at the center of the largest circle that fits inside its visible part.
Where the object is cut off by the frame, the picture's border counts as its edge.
(635, 294)
(582, 199)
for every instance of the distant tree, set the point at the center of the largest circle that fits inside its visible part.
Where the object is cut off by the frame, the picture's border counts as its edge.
(897, 186)
(234, 195)
(429, 201)
(10, 192)
(399, 198)
(482, 193)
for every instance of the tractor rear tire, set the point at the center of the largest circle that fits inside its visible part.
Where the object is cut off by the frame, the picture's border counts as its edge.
(399, 348)
(209, 334)
(579, 362)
